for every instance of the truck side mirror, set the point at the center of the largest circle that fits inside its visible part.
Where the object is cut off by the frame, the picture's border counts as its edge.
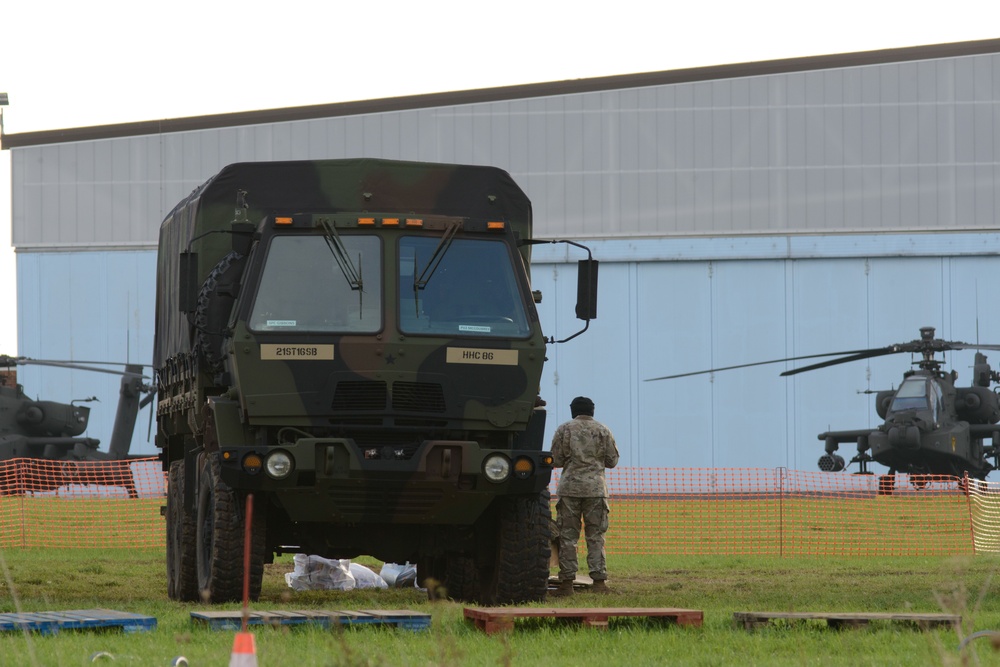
(586, 289)
(187, 293)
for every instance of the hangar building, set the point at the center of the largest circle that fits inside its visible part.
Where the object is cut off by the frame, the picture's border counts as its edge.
(741, 213)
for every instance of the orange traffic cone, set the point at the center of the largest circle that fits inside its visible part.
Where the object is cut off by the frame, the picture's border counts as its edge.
(244, 653)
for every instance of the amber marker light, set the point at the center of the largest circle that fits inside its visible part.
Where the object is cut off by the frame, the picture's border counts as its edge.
(523, 467)
(252, 463)
(494, 225)
(414, 222)
(366, 222)
(283, 220)
(390, 222)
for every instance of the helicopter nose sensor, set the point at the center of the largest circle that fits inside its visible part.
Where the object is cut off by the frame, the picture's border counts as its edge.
(32, 415)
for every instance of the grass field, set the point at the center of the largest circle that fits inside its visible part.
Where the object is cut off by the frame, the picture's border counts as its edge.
(134, 580)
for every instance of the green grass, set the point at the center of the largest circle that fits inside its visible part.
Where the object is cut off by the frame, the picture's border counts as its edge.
(131, 580)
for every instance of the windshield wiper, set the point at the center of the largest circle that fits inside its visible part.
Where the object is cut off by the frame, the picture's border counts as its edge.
(339, 252)
(420, 282)
(336, 245)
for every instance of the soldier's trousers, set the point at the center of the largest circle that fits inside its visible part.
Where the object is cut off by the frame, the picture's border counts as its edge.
(594, 514)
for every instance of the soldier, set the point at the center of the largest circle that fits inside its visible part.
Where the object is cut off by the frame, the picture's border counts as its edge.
(583, 448)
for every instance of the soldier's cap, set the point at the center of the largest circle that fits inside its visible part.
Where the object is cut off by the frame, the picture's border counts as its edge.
(581, 405)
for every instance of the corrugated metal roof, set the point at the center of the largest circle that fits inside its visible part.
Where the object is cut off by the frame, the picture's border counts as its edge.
(526, 91)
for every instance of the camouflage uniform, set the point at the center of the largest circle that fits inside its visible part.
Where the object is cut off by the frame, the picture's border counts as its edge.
(583, 448)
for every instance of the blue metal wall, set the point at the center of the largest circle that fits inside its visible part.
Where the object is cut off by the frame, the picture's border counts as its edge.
(86, 306)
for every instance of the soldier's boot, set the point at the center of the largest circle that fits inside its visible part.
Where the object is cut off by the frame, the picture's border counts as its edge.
(563, 590)
(600, 586)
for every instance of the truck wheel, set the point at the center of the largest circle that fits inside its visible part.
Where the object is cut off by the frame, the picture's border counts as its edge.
(182, 571)
(220, 540)
(520, 572)
(452, 577)
(214, 306)
(461, 579)
(430, 575)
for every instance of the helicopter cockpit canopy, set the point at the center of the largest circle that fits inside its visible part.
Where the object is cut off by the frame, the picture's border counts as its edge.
(917, 393)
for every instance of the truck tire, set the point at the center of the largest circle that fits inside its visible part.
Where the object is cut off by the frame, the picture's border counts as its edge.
(182, 571)
(461, 579)
(214, 305)
(452, 577)
(520, 572)
(220, 526)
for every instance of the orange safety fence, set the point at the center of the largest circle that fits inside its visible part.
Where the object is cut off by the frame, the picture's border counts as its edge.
(780, 512)
(82, 504)
(696, 511)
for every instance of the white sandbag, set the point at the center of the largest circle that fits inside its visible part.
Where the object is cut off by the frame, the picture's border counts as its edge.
(365, 577)
(315, 573)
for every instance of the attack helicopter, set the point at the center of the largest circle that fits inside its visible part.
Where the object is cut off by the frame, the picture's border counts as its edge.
(52, 431)
(931, 427)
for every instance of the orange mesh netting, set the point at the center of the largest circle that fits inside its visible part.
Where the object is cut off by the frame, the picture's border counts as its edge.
(747, 511)
(81, 504)
(721, 511)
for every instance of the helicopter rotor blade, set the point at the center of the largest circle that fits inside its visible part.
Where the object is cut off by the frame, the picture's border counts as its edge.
(7, 361)
(927, 345)
(972, 346)
(843, 360)
(763, 363)
(149, 426)
(75, 361)
(150, 395)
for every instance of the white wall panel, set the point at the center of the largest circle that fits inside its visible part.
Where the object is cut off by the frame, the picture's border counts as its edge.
(907, 146)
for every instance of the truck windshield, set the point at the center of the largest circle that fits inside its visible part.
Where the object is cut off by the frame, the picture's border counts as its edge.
(473, 292)
(303, 289)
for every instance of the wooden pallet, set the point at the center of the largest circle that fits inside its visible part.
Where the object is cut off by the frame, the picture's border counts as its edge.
(51, 622)
(403, 619)
(756, 619)
(501, 619)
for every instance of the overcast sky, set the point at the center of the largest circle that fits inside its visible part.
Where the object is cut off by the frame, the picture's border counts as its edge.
(71, 64)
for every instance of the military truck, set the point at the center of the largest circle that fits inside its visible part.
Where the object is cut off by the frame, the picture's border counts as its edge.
(348, 352)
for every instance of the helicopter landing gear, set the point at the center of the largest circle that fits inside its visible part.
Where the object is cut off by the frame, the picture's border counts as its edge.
(887, 483)
(862, 460)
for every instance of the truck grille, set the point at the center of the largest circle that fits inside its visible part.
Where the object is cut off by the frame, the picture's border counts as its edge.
(417, 397)
(364, 395)
(388, 503)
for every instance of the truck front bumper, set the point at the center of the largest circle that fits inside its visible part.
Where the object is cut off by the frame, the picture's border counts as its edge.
(333, 480)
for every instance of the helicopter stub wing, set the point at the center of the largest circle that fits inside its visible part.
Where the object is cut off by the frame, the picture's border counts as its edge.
(845, 436)
(991, 431)
(832, 462)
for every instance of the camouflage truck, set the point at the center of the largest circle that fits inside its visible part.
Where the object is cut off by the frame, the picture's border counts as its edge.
(353, 345)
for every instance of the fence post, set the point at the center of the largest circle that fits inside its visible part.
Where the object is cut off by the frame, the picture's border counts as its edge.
(967, 483)
(781, 511)
(21, 487)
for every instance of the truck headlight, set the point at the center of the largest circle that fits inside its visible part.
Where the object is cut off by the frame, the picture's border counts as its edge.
(497, 467)
(278, 464)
